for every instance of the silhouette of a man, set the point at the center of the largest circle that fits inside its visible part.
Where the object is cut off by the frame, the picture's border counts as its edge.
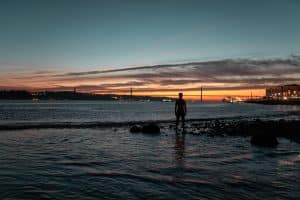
(180, 110)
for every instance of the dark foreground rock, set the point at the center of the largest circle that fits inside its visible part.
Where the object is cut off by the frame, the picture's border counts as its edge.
(267, 131)
(151, 128)
(136, 129)
(264, 140)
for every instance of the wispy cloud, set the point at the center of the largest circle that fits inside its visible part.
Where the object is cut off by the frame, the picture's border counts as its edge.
(227, 67)
(118, 70)
(213, 75)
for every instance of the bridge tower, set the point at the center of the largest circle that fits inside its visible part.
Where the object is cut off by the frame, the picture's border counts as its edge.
(201, 94)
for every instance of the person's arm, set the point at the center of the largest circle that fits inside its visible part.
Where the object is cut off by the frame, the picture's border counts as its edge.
(176, 107)
(184, 108)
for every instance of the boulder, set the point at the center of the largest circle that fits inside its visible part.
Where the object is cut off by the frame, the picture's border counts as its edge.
(264, 140)
(136, 129)
(151, 128)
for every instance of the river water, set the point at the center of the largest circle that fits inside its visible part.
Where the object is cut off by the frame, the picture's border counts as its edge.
(122, 111)
(112, 163)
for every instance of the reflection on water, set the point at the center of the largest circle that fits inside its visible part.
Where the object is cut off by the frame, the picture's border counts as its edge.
(112, 163)
(179, 149)
(291, 161)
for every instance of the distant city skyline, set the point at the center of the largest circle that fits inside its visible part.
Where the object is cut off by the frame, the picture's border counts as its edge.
(235, 46)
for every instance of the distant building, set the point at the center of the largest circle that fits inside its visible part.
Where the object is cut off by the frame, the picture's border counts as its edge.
(283, 92)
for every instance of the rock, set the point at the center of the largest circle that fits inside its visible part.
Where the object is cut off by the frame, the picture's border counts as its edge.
(151, 128)
(257, 120)
(136, 129)
(282, 121)
(264, 140)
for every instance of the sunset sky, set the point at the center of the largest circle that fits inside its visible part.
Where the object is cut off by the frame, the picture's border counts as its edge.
(158, 47)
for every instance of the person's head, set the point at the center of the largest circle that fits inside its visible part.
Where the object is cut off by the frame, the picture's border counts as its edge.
(180, 95)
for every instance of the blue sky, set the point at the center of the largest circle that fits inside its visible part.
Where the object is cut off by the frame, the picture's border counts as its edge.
(86, 35)
(229, 47)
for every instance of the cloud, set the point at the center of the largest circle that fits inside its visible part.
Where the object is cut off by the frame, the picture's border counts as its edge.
(119, 70)
(213, 75)
(241, 67)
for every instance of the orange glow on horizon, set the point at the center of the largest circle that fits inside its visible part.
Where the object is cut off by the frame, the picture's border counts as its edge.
(196, 96)
(121, 86)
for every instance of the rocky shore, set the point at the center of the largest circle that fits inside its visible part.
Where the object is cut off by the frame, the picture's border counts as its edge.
(259, 130)
(278, 128)
(264, 132)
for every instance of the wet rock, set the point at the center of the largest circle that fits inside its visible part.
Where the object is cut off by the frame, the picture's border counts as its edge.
(151, 128)
(264, 140)
(172, 126)
(195, 124)
(136, 129)
(258, 120)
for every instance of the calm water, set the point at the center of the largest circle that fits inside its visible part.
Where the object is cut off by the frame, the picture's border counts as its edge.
(111, 163)
(111, 111)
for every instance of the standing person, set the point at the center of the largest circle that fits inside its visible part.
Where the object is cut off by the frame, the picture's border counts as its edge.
(180, 110)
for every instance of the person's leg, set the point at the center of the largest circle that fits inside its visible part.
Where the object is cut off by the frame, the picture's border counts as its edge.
(183, 120)
(177, 120)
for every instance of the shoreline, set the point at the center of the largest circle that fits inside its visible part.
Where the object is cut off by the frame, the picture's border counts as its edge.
(109, 124)
(274, 102)
(268, 128)
(212, 127)
(94, 124)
